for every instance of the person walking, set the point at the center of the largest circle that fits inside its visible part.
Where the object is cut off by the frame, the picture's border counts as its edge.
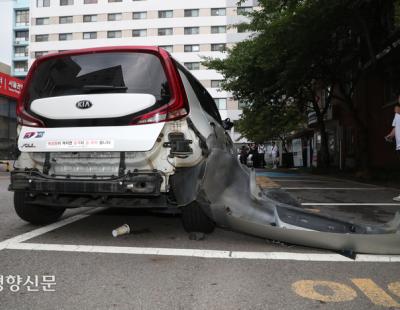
(395, 133)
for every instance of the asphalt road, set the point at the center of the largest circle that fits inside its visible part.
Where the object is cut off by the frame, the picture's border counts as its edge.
(79, 265)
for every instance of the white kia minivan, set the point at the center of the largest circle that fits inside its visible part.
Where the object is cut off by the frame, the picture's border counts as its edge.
(114, 126)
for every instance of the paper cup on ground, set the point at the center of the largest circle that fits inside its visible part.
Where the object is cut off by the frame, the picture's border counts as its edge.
(123, 230)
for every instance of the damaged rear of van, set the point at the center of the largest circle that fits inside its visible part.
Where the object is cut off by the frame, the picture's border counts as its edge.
(109, 126)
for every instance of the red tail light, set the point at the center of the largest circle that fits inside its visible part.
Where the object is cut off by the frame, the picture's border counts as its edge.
(24, 118)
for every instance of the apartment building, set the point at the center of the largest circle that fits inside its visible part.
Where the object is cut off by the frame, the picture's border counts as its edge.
(189, 30)
(20, 44)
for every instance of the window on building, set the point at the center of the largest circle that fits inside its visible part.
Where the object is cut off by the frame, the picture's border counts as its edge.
(42, 3)
(42, 21)
(114, 34)
(191, 48)
(139, 15)
(21, 18)
(39, 54)
(114, 16)
(191, 30)
(66, 2)
(65, 20)
(20, 51)
(22, 36)
(218, 47)
(64, 36)
(221, 103)
(192, 65)
(41, 38)
(192, 13)
(89, 35)
(89, 1)
(242, 10)
(89, 18)
(242, 104)
(20, 66)
(218, 29)
(139, 32)
(218, 12)
(166, 14)
(168, 48)
(165, 31)
(216, 83)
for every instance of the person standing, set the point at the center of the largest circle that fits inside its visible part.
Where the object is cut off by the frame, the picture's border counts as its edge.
(274, 155)
(243, 155)
(395, 133)
(254, 154)
(261, 154)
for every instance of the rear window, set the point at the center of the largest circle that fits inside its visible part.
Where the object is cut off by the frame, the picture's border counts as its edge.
(100, 73)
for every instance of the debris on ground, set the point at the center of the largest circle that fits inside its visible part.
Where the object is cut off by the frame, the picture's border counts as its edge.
(198, 236)
(122, 230)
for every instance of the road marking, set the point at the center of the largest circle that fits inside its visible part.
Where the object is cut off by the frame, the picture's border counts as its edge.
(349, 204)
(301, 180)
(394, 288)
(203, 253)
(42, 230)
(337, 292)
(377, 295)
(335, 188)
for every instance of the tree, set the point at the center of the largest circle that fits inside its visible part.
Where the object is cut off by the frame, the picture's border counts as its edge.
(303, 44)
(271, 121)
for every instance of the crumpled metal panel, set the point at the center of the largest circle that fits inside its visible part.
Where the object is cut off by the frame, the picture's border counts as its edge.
(237, 203)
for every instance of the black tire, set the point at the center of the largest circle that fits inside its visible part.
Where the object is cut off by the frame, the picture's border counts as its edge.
(194, 219)
(35, 214)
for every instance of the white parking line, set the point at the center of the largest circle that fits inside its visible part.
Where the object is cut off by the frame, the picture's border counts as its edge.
(307, 257)
(42, 230)
(336, 188)
(16, 243)
(300, 180)
(349, 204)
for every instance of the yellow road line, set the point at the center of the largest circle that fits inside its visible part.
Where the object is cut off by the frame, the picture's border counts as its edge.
(337, 292)
(377, 295)
(394, 288)
(265, 182)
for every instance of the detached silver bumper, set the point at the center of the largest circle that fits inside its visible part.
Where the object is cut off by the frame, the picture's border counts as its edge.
(236, 202)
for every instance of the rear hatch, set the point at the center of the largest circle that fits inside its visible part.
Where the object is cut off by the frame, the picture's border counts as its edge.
(98, 101)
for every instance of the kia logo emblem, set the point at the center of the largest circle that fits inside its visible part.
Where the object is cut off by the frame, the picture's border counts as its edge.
(84, 104)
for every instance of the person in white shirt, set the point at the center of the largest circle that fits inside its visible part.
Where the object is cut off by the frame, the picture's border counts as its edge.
(274, 155)
(395, 133)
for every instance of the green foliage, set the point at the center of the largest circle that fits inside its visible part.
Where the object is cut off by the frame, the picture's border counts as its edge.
(296, 44)
(269, 122)
(397, 13)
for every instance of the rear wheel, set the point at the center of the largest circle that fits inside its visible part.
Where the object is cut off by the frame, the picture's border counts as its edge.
(35, 214)
(194, 219)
